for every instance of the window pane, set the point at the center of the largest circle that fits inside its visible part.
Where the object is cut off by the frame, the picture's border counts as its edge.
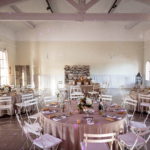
(147, 77)
(3, 68)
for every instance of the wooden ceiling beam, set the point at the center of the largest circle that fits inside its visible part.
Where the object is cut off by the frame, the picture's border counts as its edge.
(90, 4)
(82, 6)
(77, 17)
(28, 23)
(132, 25)
(146, 2)
(74, 4)
(7, 2)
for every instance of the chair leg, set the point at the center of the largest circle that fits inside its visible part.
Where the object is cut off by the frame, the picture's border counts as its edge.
(145, 147)
(31, 147)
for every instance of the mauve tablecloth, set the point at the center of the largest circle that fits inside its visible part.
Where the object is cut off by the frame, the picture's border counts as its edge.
(72, 133)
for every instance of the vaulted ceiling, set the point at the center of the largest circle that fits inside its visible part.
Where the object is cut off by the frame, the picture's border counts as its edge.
(33, 12)
(66, 6)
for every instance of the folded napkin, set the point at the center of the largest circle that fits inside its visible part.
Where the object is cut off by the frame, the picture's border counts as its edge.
(90, 123)
(109, 119)
(59, 118)
(119, 118)
(51, 116)
(121, 112)
(49, 112)
(54, 103)
(45, 109)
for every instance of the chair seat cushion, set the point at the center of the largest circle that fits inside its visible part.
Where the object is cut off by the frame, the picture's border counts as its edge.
(94, 146)
(129, 139)
(46, 141)
(136, 124)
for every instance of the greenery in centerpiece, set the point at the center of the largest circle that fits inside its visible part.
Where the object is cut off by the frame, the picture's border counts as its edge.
(84, 104)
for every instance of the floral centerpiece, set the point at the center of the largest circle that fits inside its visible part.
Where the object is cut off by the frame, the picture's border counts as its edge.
(5, 88)
(85, 103)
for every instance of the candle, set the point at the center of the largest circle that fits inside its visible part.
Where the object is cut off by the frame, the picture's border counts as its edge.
(78, 121)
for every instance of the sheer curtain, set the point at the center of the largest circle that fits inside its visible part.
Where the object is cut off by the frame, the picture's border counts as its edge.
(147, 74)
(4, 77)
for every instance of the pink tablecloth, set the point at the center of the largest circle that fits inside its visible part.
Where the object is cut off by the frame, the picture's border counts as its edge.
(72, 133)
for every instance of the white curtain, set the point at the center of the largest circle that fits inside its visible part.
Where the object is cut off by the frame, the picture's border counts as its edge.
(4, 75)
(147, 71)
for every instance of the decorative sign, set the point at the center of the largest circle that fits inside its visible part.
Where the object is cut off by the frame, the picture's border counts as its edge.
(75, 72)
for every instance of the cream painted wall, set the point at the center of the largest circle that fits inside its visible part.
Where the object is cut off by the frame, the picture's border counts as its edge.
(81, 31)
(7, 41)
(116, 62)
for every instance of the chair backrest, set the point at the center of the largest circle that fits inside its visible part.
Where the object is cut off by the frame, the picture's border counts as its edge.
(26, 97)
(99, 138)
(131, 102)
(48, 99)
(27, 133)
(75, 89)
(31, 102)
(124, 98)
(144, 97)
(31, 129)
(5, 99)
(106, 98)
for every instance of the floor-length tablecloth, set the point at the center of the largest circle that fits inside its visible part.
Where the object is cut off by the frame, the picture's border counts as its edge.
(72, 133)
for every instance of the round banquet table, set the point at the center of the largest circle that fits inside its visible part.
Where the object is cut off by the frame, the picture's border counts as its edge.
(72, 132)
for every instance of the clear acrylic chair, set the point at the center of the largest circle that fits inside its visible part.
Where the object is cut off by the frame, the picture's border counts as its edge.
(98, 141)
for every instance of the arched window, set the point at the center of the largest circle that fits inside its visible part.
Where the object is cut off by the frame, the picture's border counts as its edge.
(4, 79)
(147, 77)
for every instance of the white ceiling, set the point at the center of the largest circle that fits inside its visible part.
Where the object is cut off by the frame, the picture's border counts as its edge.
(62, 6)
